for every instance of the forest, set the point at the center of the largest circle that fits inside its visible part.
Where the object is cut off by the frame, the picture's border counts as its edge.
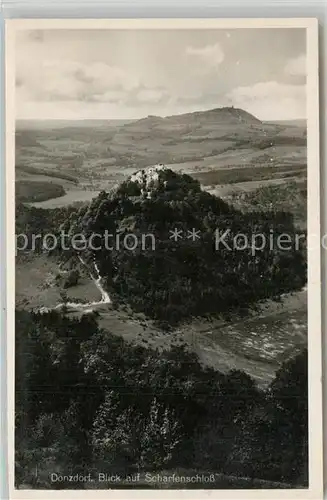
(87, 401)
(180, 279)
(37, 190)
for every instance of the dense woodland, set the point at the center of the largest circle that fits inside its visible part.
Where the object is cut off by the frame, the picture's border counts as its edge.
(290, 197)
(184, 278)
(86, 401)
(28, 191)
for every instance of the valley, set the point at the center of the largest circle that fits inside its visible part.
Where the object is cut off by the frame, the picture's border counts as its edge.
(86, 159)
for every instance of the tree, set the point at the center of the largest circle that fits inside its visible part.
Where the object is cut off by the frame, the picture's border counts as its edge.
(160, 437)
(72, 278)
(273, 440)
(116, 434)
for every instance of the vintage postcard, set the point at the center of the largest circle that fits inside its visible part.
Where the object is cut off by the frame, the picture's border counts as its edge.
(163, 197)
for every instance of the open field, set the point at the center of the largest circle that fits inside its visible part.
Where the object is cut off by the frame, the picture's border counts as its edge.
(35, 283)
(73, 196)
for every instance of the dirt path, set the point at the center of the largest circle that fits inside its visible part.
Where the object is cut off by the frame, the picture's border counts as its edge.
(78, 306)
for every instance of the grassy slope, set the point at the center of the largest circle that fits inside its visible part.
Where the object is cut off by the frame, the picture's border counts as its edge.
(35, 283)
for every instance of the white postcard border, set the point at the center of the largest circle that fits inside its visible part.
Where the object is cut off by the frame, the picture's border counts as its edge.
(315, 489)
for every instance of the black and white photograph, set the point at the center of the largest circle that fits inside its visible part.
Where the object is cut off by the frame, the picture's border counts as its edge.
(166, 300)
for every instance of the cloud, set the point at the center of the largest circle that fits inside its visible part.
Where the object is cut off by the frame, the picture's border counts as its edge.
(297, 66)
(68, 81)
(151, 95)
(71, 80)
(39, 80)
(112, 96)
(211, 55)
(271, 100)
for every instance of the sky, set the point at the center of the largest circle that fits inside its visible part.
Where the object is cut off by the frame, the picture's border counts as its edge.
(128, 74)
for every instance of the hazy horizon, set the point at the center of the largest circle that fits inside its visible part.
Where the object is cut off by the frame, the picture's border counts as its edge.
(86, 121)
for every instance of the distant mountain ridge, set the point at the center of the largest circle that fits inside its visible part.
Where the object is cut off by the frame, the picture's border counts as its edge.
(300, 122)
(227, 114)
(217, 137)
(59, 124)
(187, 137)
